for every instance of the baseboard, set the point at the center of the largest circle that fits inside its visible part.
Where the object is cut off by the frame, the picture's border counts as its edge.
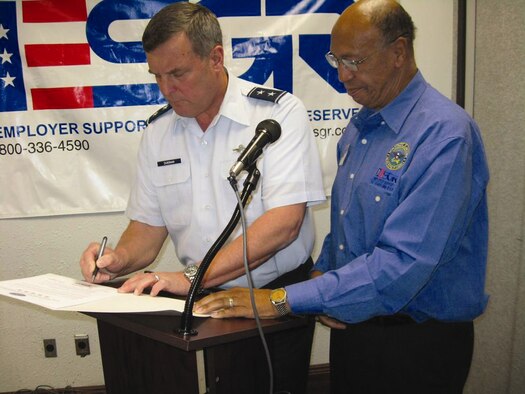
(318, 383)
(319, 379)
(43, 389)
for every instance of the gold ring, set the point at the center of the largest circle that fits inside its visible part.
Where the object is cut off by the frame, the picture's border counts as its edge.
(230, 300)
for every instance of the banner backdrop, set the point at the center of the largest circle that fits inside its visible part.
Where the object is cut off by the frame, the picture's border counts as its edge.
(75, 91)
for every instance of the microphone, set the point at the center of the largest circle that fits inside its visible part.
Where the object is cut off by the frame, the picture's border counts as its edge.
(266, 132)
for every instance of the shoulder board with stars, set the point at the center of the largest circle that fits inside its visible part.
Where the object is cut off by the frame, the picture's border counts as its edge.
(272, 95)
(158, 113)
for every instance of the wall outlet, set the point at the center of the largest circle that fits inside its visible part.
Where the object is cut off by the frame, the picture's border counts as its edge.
(82, 345)
(50, 348)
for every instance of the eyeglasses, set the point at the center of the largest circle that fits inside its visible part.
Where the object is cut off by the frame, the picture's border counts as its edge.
(352, 65)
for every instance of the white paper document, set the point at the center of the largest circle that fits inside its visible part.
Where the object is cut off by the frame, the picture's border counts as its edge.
(62, 293)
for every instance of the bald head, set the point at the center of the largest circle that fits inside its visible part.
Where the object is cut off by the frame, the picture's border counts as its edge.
(387, 16)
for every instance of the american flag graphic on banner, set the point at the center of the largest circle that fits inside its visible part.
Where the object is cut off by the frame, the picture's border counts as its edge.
(23, 85)
(12, 97)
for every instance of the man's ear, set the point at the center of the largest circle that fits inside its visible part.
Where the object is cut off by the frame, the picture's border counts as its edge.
(401, 50)
(217, 56)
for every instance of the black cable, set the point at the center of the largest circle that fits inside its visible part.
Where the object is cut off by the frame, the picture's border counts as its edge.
(250, 288)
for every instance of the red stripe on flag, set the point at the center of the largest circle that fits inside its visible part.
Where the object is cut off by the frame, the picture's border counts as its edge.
(62, 98)
(41, 55)
(42, 11)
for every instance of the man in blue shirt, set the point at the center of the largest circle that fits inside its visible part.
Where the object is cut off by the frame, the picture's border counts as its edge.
(401, 274)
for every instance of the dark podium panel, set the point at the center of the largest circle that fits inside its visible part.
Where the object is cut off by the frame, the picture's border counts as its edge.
(143, 354)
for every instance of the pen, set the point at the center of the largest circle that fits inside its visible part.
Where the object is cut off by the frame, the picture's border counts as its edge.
(100, 254)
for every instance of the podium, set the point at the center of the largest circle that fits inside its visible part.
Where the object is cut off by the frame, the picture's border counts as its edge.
(142, 353)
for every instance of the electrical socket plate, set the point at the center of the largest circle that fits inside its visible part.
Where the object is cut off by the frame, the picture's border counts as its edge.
(82, 345)
(50, 348)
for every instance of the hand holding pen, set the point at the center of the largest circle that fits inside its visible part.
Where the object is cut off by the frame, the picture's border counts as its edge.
(100, 254)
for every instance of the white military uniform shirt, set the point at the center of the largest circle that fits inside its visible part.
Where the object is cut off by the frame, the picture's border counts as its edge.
(181, 180)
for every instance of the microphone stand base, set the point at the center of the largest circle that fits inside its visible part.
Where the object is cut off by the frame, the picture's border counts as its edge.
(187, 333)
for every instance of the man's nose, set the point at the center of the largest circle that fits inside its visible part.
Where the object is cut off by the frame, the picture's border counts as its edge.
(167, 84)
(344, 73)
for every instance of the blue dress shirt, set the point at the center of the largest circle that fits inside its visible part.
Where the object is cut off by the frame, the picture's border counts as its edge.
(409, 225)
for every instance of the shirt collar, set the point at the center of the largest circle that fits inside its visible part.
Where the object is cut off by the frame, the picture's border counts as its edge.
(233, 103)
(230, 107)
(396, 112)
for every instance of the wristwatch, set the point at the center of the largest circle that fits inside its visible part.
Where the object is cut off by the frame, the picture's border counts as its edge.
(190, 272)
(278, 299)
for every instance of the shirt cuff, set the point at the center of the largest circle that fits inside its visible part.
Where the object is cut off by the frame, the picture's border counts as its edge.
(304, 298)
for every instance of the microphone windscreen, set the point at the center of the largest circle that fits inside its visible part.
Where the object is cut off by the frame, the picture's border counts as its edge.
(271, 127)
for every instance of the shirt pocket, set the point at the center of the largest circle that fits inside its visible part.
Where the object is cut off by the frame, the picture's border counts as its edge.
(174, 193)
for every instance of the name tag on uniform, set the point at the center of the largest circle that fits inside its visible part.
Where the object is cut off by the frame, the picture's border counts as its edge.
(168, 162)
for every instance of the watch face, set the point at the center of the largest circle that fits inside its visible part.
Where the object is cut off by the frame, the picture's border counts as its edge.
(278, 295)
(191, 271)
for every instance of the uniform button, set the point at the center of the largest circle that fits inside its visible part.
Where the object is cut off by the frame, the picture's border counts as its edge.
(364, 141)
(352, 176)
(382, 123)
(342, 212)
(207, 207)
(341, 247)
(204, 142)
(378, 198)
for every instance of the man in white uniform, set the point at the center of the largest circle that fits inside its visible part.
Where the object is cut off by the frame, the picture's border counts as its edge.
(181, 188)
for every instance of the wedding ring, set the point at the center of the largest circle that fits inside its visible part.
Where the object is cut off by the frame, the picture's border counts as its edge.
(156, 277)
(230, 300)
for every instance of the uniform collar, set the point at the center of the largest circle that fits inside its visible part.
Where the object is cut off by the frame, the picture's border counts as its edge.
(233, 104)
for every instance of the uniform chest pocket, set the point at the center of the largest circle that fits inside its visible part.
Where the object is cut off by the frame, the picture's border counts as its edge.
(171, 174)
(174, 193)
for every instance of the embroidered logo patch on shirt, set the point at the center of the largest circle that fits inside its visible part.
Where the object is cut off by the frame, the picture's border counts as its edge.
(397, 156)
(384, 179)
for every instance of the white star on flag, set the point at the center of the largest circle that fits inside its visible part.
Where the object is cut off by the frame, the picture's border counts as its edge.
(8, 80)
(6, 57)
(3, 32)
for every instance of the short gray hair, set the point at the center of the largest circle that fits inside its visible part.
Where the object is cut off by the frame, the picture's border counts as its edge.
(393, 22)
(198, 23)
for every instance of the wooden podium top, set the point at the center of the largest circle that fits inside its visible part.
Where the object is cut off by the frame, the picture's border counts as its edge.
(164, 326)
